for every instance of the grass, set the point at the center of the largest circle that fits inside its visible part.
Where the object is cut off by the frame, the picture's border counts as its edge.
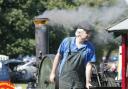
(21, 86)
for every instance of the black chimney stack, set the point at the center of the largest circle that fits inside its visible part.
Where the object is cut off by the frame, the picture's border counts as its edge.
(41, 36)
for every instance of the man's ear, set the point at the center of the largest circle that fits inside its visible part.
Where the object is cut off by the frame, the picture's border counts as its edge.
(89, 34)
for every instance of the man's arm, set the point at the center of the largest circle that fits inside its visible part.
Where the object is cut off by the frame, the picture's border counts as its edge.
(88, 74)
(54, 67)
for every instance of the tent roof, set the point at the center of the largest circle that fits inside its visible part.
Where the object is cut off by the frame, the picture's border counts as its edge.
(120, 27)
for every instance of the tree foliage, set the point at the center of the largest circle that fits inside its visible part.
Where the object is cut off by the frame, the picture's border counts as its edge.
(16, 26)
(56, 35)
(69, 4)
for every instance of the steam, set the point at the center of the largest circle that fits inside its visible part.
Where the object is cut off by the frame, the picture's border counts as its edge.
(101, 18)
(126, 2)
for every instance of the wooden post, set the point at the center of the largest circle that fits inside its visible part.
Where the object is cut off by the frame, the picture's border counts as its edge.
(124, 61)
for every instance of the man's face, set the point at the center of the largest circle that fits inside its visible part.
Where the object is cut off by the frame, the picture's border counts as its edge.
(82, 35)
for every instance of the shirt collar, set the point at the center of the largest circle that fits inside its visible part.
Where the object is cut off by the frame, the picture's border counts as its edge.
(74, 44)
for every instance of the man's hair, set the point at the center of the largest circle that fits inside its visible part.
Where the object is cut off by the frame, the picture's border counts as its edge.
(86, 26)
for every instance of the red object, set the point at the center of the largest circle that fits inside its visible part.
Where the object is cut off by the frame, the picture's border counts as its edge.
(124, 61)
(6, 85)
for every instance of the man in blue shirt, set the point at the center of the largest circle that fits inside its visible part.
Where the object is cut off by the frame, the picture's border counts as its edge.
(75, 55)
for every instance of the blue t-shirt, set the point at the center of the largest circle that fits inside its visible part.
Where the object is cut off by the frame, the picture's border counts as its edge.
(89, 53)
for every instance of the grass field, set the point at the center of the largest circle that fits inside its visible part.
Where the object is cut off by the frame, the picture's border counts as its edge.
(21, 86)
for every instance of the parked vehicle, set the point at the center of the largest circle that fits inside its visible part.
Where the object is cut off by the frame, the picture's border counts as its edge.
(20, 71)
(4, 72)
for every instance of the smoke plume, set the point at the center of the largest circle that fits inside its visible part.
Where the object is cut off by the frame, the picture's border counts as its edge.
(100, 18)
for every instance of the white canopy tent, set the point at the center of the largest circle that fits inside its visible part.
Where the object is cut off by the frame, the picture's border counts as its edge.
(122, 27)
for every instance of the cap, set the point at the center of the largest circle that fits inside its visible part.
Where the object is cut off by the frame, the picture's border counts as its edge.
(85, 25)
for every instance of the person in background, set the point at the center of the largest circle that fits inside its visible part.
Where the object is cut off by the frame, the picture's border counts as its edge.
(74, 59)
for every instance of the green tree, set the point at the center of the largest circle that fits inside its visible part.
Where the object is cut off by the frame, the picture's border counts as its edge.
(69, 4)
(16, 26)
(56, 35)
